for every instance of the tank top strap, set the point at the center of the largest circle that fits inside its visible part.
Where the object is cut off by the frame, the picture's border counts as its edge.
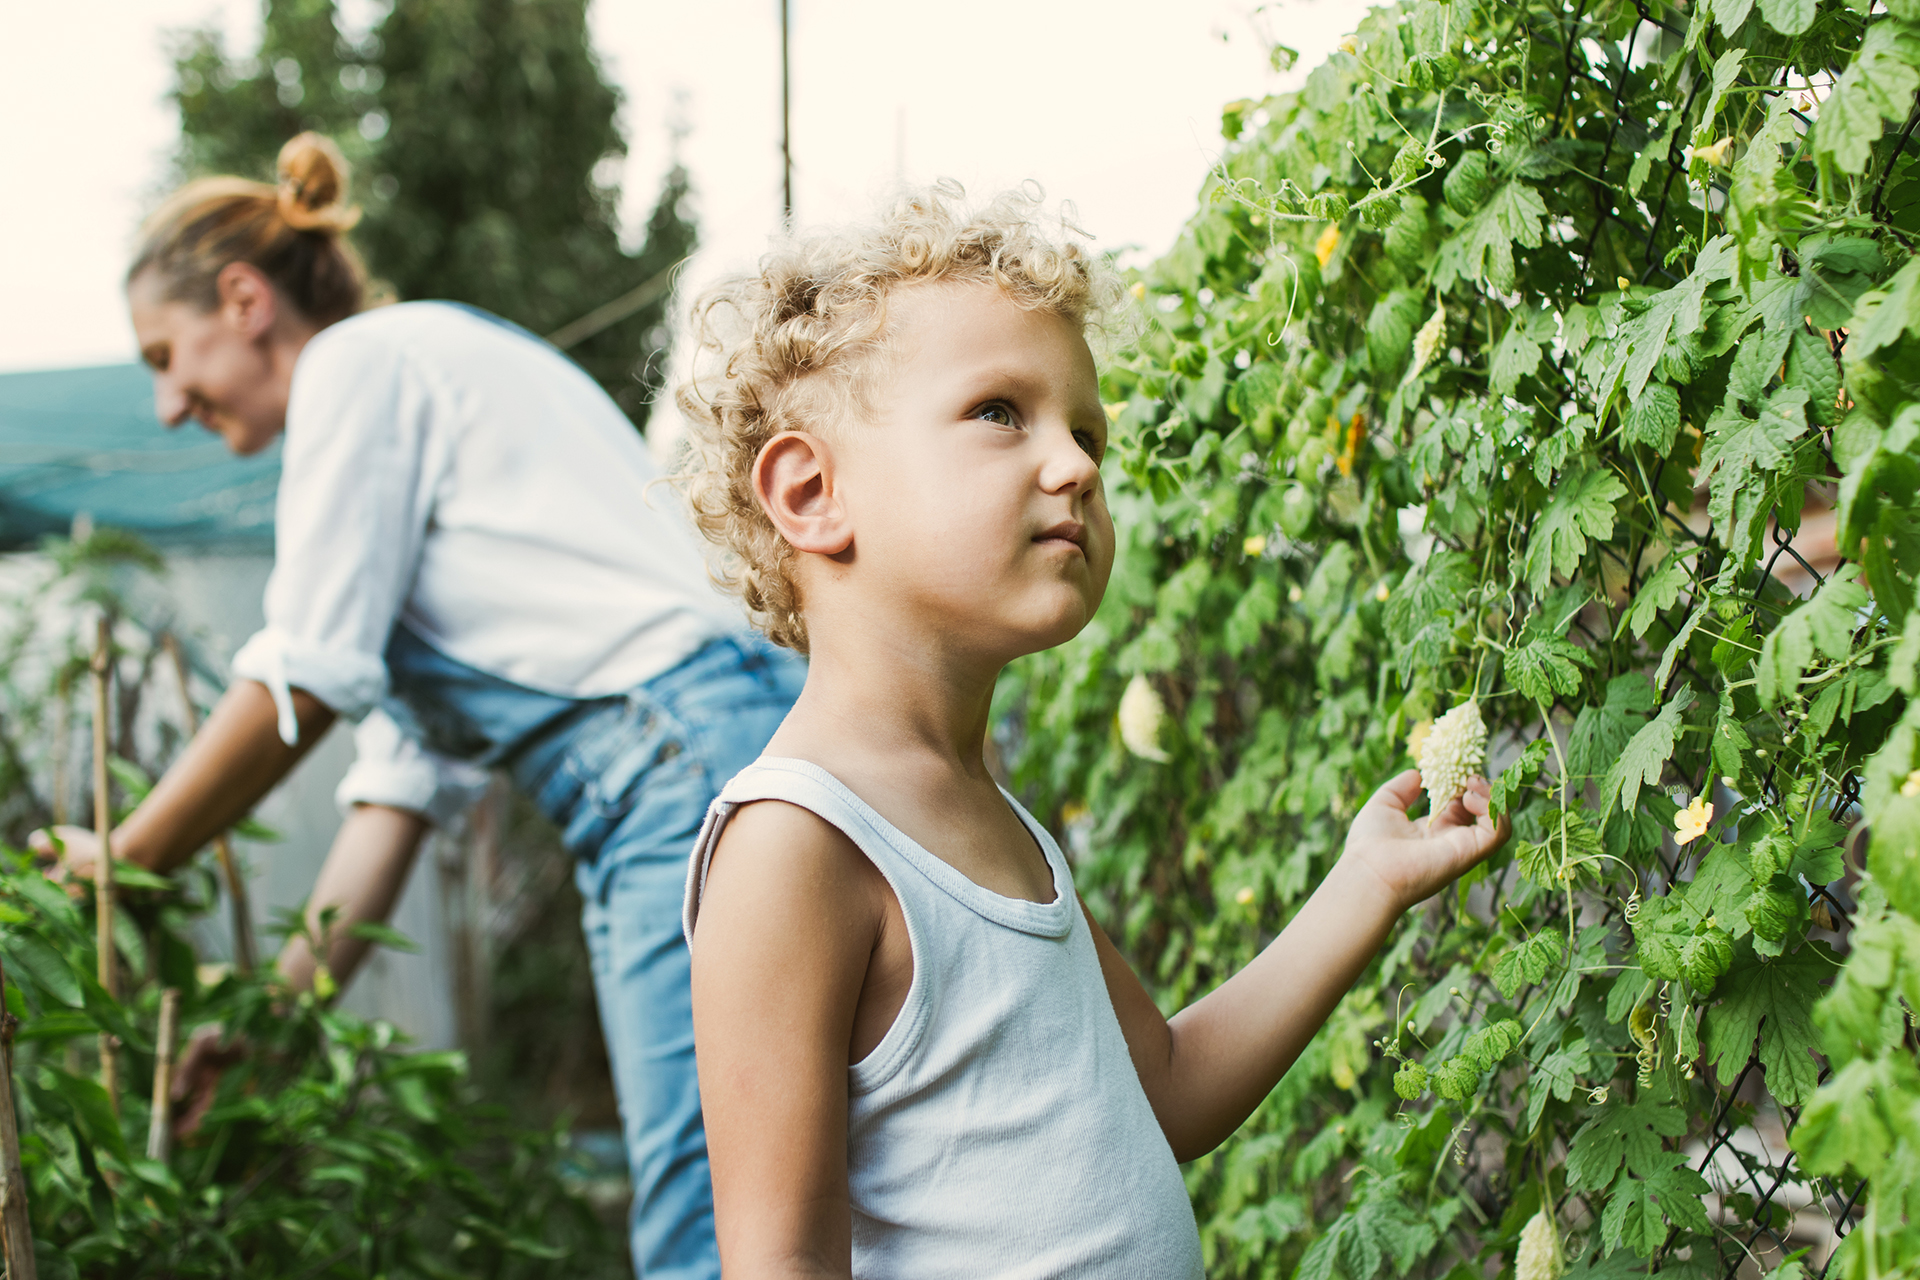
(908, 867)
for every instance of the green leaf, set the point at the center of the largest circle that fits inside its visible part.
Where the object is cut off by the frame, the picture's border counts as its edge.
(1878, 84)
(1772, 909)
(1858, 1116)
(1540, 862)
(1517, 356)
(1731, 14)
(1555, 1077)
(1483, 249)
(1653, 419)
(1639, 1211)
(1529, 963)
(1600, 733)
(1882, 315)
(1825, 623)
(1706, 956)
(1457, 1079)
(1756, 361)
(1515, 777)
(1543, 668)
(29, 953)
(1410, 1081)
(1771, 1000)
(1788, 17)
(1623, 1136)
(1658, 593)
(1489, 1046)
(1642, 760)
(382, 935)
(1811, 366)
(1582, 508)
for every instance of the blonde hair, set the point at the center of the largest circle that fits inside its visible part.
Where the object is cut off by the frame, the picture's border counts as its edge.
(294, 233)
(786, 348)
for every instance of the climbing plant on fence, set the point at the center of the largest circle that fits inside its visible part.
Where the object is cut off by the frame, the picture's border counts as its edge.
(1562, 356)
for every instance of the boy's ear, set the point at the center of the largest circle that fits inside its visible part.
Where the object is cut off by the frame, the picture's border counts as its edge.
(793, 479)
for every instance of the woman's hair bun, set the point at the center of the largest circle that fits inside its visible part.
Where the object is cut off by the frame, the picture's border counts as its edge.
(313, 185)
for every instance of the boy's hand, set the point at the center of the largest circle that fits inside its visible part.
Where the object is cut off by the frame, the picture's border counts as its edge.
(1416, 859)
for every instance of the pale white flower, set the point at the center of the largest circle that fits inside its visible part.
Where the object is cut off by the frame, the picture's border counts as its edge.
(1426, 343)
(1539, 1256)
(1142, 715)
(1454, 751)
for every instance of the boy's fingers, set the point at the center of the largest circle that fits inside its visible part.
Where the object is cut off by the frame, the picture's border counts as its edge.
(1400, 791)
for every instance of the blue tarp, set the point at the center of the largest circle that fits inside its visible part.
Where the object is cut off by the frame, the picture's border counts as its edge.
(86, 441)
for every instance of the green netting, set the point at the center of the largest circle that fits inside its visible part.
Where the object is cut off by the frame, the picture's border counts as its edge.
(86, 442)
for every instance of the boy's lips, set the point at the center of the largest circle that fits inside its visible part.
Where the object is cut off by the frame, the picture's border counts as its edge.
(1068, 531)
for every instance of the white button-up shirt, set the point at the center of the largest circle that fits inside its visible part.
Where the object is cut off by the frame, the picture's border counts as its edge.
(449, 471)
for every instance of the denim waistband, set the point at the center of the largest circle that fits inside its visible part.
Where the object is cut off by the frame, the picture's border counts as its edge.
(583, 760)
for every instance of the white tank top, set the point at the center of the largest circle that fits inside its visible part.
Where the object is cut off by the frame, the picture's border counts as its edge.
(998, 1129)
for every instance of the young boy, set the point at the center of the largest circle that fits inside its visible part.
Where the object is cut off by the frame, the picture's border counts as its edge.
(918, 1055)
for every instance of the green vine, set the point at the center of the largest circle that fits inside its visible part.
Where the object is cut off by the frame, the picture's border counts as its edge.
(1564, 355)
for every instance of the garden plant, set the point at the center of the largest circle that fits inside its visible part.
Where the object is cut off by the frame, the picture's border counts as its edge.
(328, 1147)
(1549, 367)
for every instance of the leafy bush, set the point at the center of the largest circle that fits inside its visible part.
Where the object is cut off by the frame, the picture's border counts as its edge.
(330, 1149)
(1524, 355)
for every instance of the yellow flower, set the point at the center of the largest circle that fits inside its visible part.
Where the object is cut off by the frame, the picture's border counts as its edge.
(1324, 247)
(1139, 291)
(1294, 594)
(1255, 545)
(1911, 787)
(1114, 410)
(1381, 592)
(1624, 283)
(1417, 737)
(1714, 153)
(1691, 822)
(1244, 897)
(1349, 45)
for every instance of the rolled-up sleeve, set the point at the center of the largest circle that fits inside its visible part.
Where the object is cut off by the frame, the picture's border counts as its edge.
(389, 768)
(362, 459)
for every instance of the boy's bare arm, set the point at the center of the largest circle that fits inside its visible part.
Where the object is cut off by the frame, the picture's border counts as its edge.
(1207, 1068)
(786, 928)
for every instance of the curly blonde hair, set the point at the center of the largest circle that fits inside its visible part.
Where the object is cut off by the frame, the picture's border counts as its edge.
(788, 348)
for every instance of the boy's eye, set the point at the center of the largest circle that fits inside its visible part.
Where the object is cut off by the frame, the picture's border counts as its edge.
(1090, 443)
(996, 413)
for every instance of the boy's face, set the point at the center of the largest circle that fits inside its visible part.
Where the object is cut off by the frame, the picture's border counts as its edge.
(975, 492)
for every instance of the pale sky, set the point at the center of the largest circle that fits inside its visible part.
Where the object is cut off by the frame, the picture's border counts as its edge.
(1114, 106)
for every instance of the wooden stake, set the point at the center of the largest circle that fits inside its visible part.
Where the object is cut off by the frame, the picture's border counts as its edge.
(243, 952)
(14, 1223)
(103, 865)
(160, 1127)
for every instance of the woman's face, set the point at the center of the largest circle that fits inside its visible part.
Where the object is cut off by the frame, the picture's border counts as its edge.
(223, 368)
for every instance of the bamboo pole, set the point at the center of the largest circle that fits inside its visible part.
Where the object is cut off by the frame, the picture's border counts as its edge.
(103, 864)
(160, 1126)
(15, 1226)
(243, 952)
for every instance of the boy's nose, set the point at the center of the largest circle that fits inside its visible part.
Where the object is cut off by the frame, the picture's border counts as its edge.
(1069, 468)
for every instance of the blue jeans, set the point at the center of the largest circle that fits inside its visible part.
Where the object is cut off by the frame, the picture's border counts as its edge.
(628, 779)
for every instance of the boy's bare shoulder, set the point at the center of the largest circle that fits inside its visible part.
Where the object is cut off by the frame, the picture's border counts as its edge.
(783, 857)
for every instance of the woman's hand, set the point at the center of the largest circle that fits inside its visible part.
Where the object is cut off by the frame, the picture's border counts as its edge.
(70, 851)
(1415, 859)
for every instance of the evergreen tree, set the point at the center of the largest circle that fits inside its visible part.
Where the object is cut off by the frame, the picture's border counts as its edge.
(478, 130)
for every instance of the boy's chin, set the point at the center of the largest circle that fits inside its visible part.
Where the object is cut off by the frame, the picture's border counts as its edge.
(1051, 628)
